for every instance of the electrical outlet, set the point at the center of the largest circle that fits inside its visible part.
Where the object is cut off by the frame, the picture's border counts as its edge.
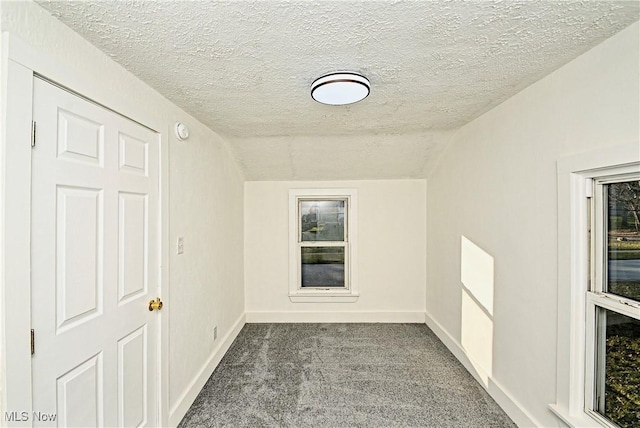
(215, 332)
(180, 244)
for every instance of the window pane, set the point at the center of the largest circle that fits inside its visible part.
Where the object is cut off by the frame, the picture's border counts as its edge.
(322, 220)
(323, 267)
(623, 220)
(618, 376)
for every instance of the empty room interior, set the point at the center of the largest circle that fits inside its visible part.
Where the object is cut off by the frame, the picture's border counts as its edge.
(320, 213)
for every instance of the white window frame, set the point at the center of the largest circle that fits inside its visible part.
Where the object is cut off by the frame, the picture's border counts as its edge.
(347, 294)
(576, 174)
(597, 297)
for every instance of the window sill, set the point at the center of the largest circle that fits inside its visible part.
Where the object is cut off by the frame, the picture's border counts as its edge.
(574, 421)
(323, 297)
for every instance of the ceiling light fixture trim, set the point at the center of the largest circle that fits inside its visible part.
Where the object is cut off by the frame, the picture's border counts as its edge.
(340, 88)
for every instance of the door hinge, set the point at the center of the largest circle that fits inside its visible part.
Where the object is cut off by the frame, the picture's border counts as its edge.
(33, 341)
(33, 133)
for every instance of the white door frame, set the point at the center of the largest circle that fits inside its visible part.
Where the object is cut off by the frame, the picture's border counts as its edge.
(19, 61)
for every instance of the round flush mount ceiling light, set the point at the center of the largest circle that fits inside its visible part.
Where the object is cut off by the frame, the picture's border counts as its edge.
(339, 89)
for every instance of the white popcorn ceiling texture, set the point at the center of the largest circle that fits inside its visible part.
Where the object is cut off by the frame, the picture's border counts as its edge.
(245, 69)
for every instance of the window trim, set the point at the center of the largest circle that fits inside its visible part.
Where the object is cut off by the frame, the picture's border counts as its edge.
(573, 174)
(348, 294)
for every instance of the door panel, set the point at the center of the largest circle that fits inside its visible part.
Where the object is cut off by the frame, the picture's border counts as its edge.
(95, 264)
(79, 395)
(80, 138)
(132, 379)
(133, 252)
(133, 154)
(79, 253)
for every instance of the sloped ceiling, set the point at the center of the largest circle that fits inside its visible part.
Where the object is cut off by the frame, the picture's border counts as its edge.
(244, 68)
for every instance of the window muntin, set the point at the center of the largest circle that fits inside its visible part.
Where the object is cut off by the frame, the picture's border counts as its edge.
(613, 368)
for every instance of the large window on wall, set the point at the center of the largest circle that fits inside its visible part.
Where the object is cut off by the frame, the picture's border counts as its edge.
(612, 387)
(322, 244)
(598, 336)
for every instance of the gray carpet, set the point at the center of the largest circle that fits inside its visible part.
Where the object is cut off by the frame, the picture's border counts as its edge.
(341, 375)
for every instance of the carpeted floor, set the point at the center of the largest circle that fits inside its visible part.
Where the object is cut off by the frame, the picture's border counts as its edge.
(342, 375)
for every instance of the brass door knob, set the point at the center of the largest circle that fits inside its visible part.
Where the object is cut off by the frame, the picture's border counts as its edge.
(155, 304)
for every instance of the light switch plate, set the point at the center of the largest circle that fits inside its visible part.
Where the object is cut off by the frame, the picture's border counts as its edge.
(180, 245)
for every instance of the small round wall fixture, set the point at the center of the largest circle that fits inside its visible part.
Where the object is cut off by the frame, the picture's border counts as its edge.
(182, 131)
(341, 88)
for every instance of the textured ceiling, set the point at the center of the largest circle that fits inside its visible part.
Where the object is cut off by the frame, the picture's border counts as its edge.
(340, 157)
(244, 68)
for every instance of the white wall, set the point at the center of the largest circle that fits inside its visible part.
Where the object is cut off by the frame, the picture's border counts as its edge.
(496, 186)
(391, 253)
(207, 280)
(205, 193)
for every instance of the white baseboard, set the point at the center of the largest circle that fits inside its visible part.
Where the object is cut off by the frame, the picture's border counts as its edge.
(335, 317)
(515, 410)
(187, 398)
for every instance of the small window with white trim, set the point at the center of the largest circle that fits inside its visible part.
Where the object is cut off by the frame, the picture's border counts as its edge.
(612, 379)
(322, 244)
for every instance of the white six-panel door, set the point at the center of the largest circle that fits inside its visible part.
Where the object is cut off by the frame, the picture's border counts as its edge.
(95, 264)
